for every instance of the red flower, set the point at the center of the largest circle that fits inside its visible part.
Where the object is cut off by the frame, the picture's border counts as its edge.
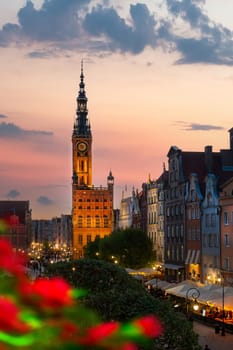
(100, 332)
(10, 261)
(149, 326)
(9, 317)
(48, 294)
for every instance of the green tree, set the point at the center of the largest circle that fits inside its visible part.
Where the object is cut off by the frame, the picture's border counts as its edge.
(116, 295)
(129, 247)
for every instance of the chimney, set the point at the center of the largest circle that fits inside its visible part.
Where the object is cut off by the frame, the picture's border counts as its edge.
(208, 159)
(231, 138)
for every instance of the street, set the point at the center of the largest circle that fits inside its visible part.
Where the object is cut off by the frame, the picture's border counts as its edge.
(214, 341)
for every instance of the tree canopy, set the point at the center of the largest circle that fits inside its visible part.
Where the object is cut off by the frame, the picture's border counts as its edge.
(117, 296)
(129, 247)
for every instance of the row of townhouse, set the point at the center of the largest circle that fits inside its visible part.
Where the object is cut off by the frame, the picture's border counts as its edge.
(188, 214)
(56, 231)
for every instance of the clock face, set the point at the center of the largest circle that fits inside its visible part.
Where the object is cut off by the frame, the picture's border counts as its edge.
(82, 147)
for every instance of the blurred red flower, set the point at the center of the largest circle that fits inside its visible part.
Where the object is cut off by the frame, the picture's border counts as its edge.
(11, 261)
(10, 317)
(97, 334)
(51, 293)
(149, 326)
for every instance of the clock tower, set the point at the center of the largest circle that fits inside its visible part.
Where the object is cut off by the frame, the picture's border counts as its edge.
(82, 140)
(92, 207)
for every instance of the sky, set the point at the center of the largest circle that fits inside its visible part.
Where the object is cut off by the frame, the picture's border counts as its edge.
(157, 74)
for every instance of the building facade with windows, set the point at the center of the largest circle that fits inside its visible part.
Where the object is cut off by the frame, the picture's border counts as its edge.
(210, 231)
(92, 207)
(193, 201)
(226, 228)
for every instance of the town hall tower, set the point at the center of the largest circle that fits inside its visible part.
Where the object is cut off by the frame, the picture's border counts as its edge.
(92, 207)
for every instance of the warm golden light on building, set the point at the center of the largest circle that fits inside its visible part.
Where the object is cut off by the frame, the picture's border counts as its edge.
(92, 207)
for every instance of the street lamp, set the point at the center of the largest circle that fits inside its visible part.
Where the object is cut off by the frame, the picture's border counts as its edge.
(221, 280)
(194, 293)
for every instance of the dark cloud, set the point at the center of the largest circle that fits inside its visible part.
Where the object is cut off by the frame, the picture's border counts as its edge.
(198, 127)
(43, 200)
(3, 116)
(206, 41)
(40, 54)
(72, 25)
(121, 36)
(13, 194)
(10, 130)
(57, 20)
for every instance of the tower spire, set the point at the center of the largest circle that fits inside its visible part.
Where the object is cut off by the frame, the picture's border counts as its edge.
(82, 125)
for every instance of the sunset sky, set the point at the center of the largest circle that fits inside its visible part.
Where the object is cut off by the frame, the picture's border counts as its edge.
(157, 73)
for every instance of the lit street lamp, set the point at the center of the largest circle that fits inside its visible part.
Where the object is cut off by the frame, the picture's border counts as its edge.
(221, 280)
(194, 293)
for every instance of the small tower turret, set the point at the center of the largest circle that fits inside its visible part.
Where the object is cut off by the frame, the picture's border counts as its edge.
(110, 181)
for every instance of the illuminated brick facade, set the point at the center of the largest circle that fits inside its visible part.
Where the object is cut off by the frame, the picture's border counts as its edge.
(92, 207)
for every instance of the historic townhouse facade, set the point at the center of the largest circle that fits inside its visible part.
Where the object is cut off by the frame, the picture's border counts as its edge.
(152, 214)
(189, 215)
(226, 229)
(175, 218)
(210, 230)
(193, 228)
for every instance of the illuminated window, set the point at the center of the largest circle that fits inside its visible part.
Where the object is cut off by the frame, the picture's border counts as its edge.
(88, 221)
(80, 239)
(105, 221)
(97, 221)
(80, 221)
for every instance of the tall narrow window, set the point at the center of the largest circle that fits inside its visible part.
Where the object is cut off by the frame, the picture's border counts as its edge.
(88, 221)
(97, 221)
(226, 240)
(225, 218)
(80, 221)
(105, 221)
(227, 263)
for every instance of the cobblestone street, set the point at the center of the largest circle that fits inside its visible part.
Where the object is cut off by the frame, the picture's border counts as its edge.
(215, 341)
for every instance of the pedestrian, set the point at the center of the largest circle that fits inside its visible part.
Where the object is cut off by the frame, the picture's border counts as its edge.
(206, 347)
